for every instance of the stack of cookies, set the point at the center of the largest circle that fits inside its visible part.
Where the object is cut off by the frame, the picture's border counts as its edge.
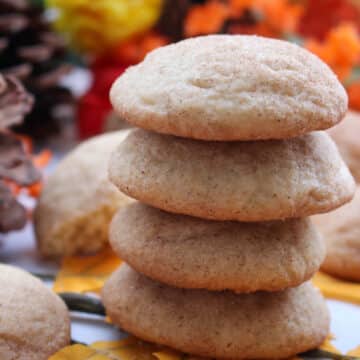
(227, 169)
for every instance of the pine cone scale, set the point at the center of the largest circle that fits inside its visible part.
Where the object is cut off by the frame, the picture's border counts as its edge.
(13, 23)
(35, 53)
(10, 5)
(12, 213)
(14, 102)
(15, 165)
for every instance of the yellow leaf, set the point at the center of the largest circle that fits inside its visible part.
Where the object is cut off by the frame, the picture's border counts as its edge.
(328, 346)
(336, 288)
(78, 352)
(130, 348)
(169, 354)
(86, 273)
(355, 352)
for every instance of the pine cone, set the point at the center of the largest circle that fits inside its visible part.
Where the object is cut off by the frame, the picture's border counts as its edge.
(15, 164)
(31, 51)
(12, 213)
(14, 102)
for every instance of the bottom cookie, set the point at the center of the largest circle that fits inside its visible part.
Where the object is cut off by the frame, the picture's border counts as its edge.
(217, 324)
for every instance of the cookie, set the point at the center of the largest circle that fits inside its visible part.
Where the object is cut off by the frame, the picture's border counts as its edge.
(78, 201)
(34, 322)
(226, 87)
(217, 324)
(244, 181)
(341, 232)
(188, 252)
(346, 137)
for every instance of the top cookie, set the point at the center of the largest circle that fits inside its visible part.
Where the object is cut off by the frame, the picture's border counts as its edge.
(226, 87)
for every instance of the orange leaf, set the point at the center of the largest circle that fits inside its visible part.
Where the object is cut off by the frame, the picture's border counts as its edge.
(14, 188)
(324, 52)
(237, 7)
(86, 273)
(135, 49)
(345, 40)
(42, 159)
(340, 49)
(206, 19)
(354, 95)
(35, 189)
(281, 15)
(261, 29)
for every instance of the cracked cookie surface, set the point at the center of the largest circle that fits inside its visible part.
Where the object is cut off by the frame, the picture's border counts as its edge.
(217, 324)
(224, 87)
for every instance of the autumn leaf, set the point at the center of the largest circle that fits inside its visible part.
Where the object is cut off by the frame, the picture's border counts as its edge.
(206, 18)
(314, 23)
(281, 15)
(86, 273)
(135, 49)
(78, 352)
(354, 95)
(130, 348)
(340, 49)
(168, 355)
(337, 289)
(328, 346)
(355, 352)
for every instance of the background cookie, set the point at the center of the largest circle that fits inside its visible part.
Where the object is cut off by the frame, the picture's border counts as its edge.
(227, 87)
(217, 324)
(78, 201)
(341, 232)
(346, 136)
(34, 321)
(244, 181)
(189, 252)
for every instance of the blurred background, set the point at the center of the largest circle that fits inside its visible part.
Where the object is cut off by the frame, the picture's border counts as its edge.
(68, 52)
(58, 59)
